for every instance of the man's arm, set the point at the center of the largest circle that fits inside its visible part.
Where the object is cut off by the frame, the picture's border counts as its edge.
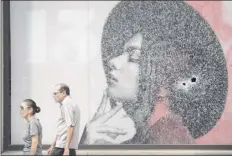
(54, 142)
(71, 121)
(52, 146)
(69, 136)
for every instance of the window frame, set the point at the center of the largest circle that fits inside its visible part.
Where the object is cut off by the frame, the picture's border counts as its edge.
(6, 104)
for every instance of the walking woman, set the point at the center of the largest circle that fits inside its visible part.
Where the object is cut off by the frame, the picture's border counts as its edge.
(33, 132)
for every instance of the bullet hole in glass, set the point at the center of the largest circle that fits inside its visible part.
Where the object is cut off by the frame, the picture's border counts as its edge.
(193, 79)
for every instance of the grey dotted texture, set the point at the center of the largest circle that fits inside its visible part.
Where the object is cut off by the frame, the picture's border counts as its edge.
(180, 52)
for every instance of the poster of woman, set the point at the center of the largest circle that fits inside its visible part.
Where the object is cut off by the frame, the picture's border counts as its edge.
(142, 72)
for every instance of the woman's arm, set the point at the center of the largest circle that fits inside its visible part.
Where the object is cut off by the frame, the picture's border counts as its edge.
(34, 133)
(34, 144)
(95, 131)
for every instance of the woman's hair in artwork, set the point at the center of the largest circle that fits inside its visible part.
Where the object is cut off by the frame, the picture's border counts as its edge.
(180, 52)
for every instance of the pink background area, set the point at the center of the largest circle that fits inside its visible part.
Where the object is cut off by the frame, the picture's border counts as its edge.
(214, 12)
(218, 15)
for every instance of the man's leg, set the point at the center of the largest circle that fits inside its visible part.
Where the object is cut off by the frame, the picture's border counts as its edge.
(57, 151)
(72, 152)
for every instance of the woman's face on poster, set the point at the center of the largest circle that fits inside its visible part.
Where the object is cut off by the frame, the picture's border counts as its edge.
(123, 79)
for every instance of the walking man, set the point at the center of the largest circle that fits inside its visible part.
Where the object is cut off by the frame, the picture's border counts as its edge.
(67, 135)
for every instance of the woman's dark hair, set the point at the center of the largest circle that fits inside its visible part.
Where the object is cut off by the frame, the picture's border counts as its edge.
(179, 50)
(32, 104)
